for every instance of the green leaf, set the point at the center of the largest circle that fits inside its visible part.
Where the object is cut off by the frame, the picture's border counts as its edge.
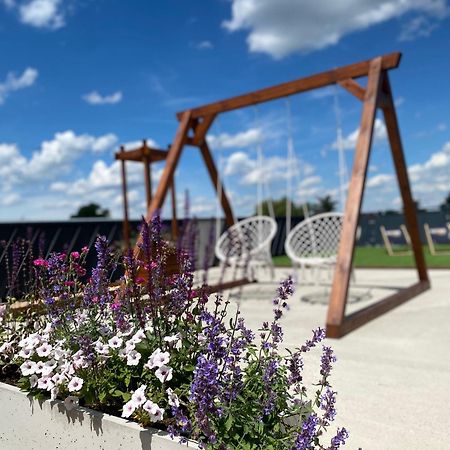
(229, 423)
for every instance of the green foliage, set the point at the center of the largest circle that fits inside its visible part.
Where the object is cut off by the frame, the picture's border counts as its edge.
(91, 210)
(323, 204)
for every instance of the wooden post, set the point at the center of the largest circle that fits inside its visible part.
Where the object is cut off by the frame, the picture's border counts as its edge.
(174, 209)
(207, 157)
(171, 163)
(390, 118)
(147, 172)
(339, 292)
(126, 223)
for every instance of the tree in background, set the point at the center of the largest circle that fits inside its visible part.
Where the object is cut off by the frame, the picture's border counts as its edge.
(445, 205)
(324, 204)
(91, 210)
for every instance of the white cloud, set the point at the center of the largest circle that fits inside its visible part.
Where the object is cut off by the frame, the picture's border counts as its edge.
(419, 26)
(349, 142)
(273, 169)
(14, 83)
(383, 179)
(204, 45)
(430, 180)
(281, 27)
(239, 140)
(94, 98)
(9, 199)
(105, 178)
(54, 157)
(42, 14)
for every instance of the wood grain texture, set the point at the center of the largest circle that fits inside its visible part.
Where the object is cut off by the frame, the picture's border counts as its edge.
(319, 80)
(371, 312)
(341, 280)
(354, 88)
(412, 225)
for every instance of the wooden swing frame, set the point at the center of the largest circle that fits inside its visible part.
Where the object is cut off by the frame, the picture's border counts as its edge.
(195, 123)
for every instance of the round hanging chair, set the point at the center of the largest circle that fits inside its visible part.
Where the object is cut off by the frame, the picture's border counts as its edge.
(247, 244)
(314, 242)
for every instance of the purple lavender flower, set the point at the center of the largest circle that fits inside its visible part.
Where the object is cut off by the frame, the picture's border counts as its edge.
(340, 438)
(327, 361)
(304, 440)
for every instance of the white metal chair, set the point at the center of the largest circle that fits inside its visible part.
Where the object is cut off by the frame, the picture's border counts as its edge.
(314, 243)
(247, 245)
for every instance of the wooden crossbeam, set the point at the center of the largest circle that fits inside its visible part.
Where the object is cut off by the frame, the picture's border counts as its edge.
(360, 69)
(142, 153)
(353, 87)
(201, 128)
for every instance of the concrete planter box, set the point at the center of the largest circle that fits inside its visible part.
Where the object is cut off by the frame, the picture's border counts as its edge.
(26, 423)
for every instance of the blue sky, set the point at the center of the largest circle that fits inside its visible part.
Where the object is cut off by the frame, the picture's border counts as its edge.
(78, 78)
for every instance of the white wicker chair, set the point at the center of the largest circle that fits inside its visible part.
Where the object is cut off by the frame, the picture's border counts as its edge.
(314, 243)
(247, 245)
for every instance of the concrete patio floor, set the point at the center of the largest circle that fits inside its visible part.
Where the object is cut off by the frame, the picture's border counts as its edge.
(393, 374)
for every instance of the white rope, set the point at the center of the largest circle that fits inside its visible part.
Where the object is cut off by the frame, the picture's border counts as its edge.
(343, 174)
(218, 183)
(293, 170)
(262, 182)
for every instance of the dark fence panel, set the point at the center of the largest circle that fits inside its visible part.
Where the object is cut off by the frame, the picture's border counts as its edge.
(72, 235)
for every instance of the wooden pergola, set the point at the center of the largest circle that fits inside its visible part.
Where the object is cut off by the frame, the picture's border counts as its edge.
(147, 156)
(377, 94)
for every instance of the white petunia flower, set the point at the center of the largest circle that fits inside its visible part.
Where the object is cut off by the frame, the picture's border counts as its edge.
(138, 398)
(174, 339)
(133, 358)
(58, 378)
(138, 336)
(48, 367)
(158, 359)
(44, 350)
(79, 359)
(75, 384)
(71, 402)
(128, 409)
(26, 352)
(129, 345)
(46, 383)
(33, 380)
(24, 342)
(154, 411)
(39, 366)
(101, 348)
(115, 342)
(28, 368)
(173, 398)
(59, 353)
(164, 373)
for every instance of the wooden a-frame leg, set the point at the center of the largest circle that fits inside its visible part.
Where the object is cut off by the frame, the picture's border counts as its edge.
(341, 280)
(169, 170)
(395, 141)
(207, 157)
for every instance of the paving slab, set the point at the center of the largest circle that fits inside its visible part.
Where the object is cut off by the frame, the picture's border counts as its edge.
(393, 374)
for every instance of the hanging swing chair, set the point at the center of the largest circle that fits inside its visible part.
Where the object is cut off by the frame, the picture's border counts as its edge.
(247, 244)
(314, 242)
